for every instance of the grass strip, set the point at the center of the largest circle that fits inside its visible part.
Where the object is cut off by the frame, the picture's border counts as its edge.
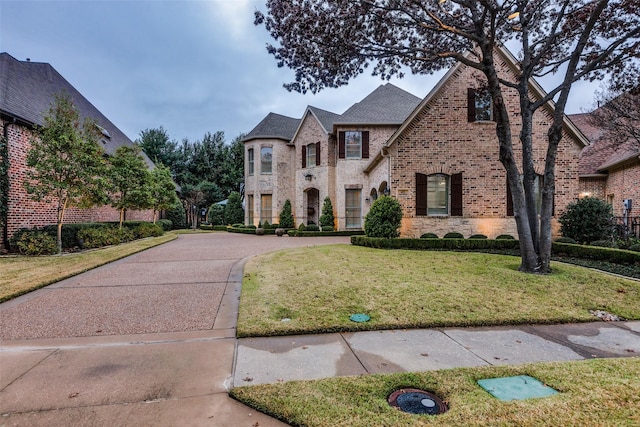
(23, 274)
(318, 288)
(595, 392)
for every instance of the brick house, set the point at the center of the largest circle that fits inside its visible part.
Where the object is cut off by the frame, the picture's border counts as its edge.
(609, 169)
(27, 91)
(437, 156)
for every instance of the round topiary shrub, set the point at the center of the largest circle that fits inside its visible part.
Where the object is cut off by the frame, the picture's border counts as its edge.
(505, 237)
(429, 236)
(313, 227)
(587, 220)
(383, 219)
(327, 228)
(478, 236)
(34, 242)
(566, 240)
(453, 235)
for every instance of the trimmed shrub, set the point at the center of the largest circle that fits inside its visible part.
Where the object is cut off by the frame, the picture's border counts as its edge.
(383, 219)
(177, 216)
(603, 244)
(105, 236)
(327, 219)
(566, 240)
(215, 214)
(587, 220)
(302, 227)
(166, 224)
(266, 225)
(286, 217)
(505, 237)
(327, 228)
(312, 227)
(429, 236)
(34, 242)
(233, 211)
(147, 229)
(478, 236)
(435, 244)
(616, 256)
(238, 225)
(453, 235)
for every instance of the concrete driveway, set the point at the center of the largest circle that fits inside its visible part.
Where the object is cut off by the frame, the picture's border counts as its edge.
(145, 341)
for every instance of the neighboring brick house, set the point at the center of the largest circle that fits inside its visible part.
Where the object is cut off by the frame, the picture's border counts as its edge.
(27, 91)
(439, 157)
(609, 169)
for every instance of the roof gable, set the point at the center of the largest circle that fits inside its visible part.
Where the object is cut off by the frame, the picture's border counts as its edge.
(386, 105)
(274, 126)
(28, 90)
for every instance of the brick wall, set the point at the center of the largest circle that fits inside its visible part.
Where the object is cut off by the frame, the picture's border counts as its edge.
(593, 187)
(624, 183)
(441, 140)
(27, 213)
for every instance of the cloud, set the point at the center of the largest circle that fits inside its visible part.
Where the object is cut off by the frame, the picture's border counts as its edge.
(235, 16)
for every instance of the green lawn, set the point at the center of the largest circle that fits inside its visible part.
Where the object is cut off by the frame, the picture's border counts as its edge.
(319, 288)
(596, 392)
(22, 274)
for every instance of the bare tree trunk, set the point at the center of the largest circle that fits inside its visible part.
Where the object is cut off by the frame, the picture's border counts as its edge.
(121, 217)
(62, 207)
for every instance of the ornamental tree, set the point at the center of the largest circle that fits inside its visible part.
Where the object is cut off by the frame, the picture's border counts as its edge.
(327, 44)
(163, 190)
(130, 181)
(65, 163)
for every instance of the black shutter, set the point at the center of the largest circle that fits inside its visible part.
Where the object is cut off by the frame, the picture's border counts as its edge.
(421, 194)
(471, 105)
(341, 145)
(317, 154)
(365, 144)
(304, 156)
(509, 200)
(456, 194)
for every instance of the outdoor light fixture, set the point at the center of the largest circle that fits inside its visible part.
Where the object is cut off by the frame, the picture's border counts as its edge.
(387, 191)
(308, 177)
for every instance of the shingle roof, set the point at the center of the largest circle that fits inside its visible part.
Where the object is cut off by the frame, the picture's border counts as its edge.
(28, 89)
(603, 152)
(326, 118)
(388, 104)
(274, 126)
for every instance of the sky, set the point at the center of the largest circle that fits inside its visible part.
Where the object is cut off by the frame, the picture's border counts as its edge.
(190, 66)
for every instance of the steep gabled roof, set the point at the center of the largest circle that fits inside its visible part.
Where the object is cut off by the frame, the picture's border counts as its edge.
(386, 105)
(28, 89)
(274, 126)
(326, 118)
(512, 62)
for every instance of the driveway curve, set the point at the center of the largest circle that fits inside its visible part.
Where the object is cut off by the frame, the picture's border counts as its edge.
(146, 340)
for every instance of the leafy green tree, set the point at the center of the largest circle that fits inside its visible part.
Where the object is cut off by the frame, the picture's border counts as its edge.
(286, 217)
(587, 220)
(163, 189)
(575, 40)
(383, 219)
(327, 219)
(130, 181)
(233, 211)
(65, 162)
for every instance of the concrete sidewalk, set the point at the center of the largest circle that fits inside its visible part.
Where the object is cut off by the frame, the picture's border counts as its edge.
(276, 359)
(150, 341)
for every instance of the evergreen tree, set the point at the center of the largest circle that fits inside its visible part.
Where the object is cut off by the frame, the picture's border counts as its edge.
(233, 211)
(327, 219)
(286, 217)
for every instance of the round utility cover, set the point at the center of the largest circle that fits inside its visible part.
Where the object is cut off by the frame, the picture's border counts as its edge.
(416, 401)
(359, 317)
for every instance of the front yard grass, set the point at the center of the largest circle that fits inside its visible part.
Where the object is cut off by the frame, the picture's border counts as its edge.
(317, 289)
(22, 274)
(596, 392)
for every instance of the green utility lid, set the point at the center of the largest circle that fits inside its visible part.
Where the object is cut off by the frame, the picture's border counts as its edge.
(359, 317)
(516, 388)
